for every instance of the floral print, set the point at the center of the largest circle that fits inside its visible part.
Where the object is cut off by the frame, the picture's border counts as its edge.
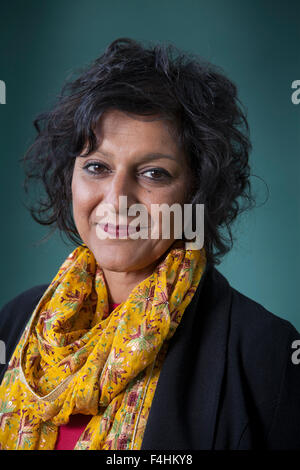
(76, 357)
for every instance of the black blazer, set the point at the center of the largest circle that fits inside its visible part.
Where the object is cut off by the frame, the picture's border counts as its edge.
(228, 380)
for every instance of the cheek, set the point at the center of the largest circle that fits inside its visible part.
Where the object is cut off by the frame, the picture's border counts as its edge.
(175, 194)
(83, 199)
(169, 195)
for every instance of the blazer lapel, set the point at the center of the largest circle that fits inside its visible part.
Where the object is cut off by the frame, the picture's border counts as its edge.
(183, 413)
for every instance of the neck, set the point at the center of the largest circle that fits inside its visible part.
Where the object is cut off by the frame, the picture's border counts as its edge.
(120, 284)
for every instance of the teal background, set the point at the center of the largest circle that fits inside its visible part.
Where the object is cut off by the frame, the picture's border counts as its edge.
(257, 45)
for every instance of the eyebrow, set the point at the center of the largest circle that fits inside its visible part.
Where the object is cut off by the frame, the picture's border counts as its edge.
(147, 156)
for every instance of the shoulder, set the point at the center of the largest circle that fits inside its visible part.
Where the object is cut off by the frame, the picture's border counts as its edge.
(259, 331)
(20, 305)
(15, 314)
(258, 334)
(18, 310)
(259, 345)
(261, 367)
(248, 318)
(245, 319)
(264, 341)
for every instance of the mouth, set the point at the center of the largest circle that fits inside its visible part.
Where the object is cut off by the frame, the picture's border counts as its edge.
(120, 230)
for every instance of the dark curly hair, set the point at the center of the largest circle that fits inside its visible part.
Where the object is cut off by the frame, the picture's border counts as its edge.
(159, 79)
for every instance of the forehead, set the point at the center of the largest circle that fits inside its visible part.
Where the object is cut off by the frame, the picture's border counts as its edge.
(123, 129)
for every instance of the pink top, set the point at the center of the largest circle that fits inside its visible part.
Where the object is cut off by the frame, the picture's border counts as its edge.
(68, 434)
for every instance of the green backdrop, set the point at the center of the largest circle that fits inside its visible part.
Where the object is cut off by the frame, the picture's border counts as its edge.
(257, 44)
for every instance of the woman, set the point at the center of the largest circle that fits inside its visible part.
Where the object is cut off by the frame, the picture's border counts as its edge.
(139, 342)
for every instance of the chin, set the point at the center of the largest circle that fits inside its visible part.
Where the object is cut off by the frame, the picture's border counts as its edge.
(118, 256)
(126, 256)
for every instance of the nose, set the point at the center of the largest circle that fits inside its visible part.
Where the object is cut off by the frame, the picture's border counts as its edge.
(119, 191)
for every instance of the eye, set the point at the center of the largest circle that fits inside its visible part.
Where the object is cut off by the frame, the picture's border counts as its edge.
(157, 174)
(95, 168)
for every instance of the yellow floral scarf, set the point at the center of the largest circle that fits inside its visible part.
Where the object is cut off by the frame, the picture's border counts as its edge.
(76, 357)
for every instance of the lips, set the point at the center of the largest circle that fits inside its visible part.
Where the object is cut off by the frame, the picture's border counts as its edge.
(119, 230)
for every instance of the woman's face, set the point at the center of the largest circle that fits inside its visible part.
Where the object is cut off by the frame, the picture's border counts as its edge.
(137, 157)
